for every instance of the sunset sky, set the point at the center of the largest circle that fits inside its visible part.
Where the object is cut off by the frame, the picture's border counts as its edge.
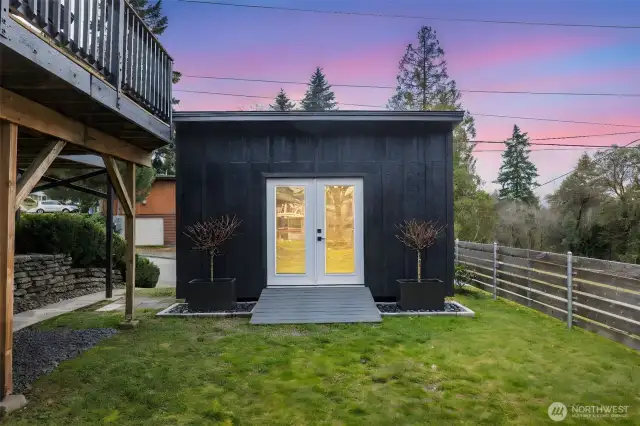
(225, 41)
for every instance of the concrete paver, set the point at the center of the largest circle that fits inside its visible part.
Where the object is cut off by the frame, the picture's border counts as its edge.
(34, 316)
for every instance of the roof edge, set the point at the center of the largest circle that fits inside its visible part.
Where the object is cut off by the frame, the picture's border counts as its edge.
(359, 115)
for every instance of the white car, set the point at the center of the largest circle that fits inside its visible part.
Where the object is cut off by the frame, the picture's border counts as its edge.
(52, 206)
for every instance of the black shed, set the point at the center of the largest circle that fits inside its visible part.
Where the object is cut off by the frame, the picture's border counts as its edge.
(319, 194)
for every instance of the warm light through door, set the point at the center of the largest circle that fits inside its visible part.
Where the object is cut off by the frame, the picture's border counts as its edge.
(339, 229)
(289, 229)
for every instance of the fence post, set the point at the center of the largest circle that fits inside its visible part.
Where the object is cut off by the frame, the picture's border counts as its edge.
(457, 252)
(569, 290)
(495, 269)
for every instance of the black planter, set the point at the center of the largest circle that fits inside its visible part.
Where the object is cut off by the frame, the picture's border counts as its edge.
(422, 295)
(205, 295)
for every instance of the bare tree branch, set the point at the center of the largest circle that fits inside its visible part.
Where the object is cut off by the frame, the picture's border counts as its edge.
(210, 234)
(419, 235)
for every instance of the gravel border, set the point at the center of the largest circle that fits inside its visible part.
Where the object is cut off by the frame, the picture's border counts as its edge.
(463, 311)
(181, 310)
(37, 353)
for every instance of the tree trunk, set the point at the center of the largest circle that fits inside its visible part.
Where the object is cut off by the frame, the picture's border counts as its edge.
(211, 266)
(419, 266)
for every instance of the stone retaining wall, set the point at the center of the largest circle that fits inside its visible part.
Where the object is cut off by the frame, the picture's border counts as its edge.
(42, 279)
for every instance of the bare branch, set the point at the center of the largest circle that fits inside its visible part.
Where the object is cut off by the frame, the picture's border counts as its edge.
(419, 235)
(210, 234)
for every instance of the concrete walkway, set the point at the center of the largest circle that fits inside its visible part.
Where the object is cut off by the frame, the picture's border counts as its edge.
(140, 302)
(27, 318)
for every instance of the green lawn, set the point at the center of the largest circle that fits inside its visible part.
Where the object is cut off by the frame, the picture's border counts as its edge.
(503, 367)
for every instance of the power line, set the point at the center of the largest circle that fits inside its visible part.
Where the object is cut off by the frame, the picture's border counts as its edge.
(575, 168)
(544, 149)
(550, 144)
(394, 16)
(384, 107)
(374, 86)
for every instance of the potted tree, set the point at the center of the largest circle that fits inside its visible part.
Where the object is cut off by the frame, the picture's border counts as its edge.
(421, 293)
(212, 294)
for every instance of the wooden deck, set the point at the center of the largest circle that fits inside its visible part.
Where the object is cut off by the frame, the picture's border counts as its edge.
(319, 305)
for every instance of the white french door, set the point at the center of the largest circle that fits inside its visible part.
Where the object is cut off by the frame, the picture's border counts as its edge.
(315, 231)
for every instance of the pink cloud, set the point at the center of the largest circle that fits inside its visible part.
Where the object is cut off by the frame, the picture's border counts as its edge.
(512, 50)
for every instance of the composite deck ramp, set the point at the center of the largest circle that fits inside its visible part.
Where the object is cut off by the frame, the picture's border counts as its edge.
(301, 305)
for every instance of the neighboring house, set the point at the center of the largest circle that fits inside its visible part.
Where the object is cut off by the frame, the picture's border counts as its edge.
(319, 195)
(156, 215)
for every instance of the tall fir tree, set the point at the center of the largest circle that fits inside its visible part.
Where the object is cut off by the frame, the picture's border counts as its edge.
(423, 84)
(282, 102)
(517, 176)
(319, 96)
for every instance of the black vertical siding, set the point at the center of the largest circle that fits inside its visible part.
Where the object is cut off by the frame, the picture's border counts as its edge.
(407, 172)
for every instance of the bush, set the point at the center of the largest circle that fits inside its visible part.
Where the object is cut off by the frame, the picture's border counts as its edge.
(82, 237)
(462, 276)
(147, 273)
(77, 235)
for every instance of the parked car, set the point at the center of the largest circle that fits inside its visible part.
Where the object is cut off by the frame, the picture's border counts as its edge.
(52, 206)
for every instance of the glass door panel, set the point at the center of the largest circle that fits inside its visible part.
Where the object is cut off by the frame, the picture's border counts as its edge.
(290, 229)
(339, 229)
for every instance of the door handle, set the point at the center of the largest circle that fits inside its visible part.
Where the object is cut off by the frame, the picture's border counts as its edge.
(320, 238)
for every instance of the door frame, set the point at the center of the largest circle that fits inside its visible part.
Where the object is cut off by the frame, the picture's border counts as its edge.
(310, 175)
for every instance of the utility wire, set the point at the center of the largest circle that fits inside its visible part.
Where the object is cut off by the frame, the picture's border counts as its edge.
(548, 144)
(600, 159)
(394, 16)
(384, 107)
(576, 148)
(374, 86)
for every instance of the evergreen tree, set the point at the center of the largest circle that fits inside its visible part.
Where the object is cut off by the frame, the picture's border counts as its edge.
(517, 176)
(282, 102)
(319, 96)
(423, 84)
(151, 13)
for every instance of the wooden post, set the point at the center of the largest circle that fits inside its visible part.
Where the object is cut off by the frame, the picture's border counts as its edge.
(8, 174)
(130, 236)
(495, 270)
(457, 251)
(569, 290)
(109, 241)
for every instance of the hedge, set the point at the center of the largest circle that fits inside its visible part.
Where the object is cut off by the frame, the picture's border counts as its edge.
(80, 236)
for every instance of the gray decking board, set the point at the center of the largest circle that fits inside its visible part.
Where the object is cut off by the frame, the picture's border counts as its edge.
(317, 305)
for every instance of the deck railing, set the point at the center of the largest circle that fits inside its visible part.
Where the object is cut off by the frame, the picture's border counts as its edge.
(109, 36)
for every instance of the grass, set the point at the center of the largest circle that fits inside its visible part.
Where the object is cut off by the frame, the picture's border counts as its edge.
(156, 292)
(503, 367)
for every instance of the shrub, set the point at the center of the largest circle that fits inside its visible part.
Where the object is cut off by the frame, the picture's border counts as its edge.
(147, 273)
(462, 276)
(77, 235)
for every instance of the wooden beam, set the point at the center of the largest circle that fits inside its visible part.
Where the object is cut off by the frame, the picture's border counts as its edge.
(27, 113)
(8, 177)
(61, 182)
(119, 185)
(78, 188)
(36, 170)
(130, 237)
